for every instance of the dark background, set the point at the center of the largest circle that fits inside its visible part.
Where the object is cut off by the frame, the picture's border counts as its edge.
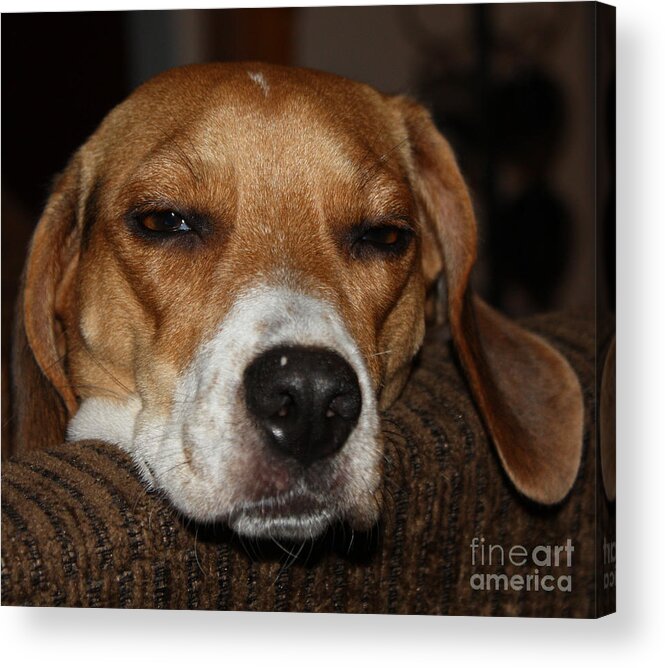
(515, 87)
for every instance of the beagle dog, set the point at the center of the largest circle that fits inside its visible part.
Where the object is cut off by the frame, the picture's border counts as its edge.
(229, 281)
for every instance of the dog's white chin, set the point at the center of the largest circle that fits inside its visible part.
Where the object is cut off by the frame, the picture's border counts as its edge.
(287, 527)
(206, 455)
(298, 515)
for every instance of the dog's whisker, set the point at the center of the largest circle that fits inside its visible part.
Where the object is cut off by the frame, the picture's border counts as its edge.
(100, 366)
(281, 547)
(290, 559)
(196, 552)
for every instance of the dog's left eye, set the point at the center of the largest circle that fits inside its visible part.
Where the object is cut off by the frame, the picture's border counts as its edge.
(164, 221)
(383, 236)
(382, 239)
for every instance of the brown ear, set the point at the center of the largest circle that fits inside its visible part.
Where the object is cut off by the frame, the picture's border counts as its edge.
(527, 393)
(43, 398)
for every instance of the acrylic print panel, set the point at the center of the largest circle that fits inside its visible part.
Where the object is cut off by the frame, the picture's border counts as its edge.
(286, 343)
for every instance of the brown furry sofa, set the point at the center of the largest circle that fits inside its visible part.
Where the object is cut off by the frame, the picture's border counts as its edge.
(79, 529)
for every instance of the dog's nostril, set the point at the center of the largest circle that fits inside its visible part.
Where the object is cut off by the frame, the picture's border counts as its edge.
(305, 400)
(284, 408)
(343, 405)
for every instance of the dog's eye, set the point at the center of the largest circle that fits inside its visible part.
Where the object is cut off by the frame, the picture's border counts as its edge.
(384, 239)
(382, 236)
(164, 221)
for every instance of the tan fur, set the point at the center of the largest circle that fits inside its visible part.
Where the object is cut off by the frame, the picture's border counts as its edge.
(282, 173)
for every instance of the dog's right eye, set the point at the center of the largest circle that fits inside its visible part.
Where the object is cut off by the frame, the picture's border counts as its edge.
(164, 221)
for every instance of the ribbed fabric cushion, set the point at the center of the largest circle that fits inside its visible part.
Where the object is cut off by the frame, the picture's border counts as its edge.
(79, 529)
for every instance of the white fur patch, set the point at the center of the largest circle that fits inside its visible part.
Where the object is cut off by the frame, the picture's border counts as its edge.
(259, 79)
(105, 420)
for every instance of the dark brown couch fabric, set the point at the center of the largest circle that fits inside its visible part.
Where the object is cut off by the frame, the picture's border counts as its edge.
(79, 529)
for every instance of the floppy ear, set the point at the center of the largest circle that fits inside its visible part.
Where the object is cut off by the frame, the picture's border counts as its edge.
(527, 393)
(43, 398)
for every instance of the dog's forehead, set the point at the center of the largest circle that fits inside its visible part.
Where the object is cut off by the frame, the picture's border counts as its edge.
(252, 115)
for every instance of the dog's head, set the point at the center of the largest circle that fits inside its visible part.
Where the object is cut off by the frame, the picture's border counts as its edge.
(230, 280)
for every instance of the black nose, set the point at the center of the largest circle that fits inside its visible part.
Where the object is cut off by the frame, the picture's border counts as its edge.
(306, 400)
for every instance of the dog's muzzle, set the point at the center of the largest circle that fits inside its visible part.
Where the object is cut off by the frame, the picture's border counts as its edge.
(305, 401)
(273, 426)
